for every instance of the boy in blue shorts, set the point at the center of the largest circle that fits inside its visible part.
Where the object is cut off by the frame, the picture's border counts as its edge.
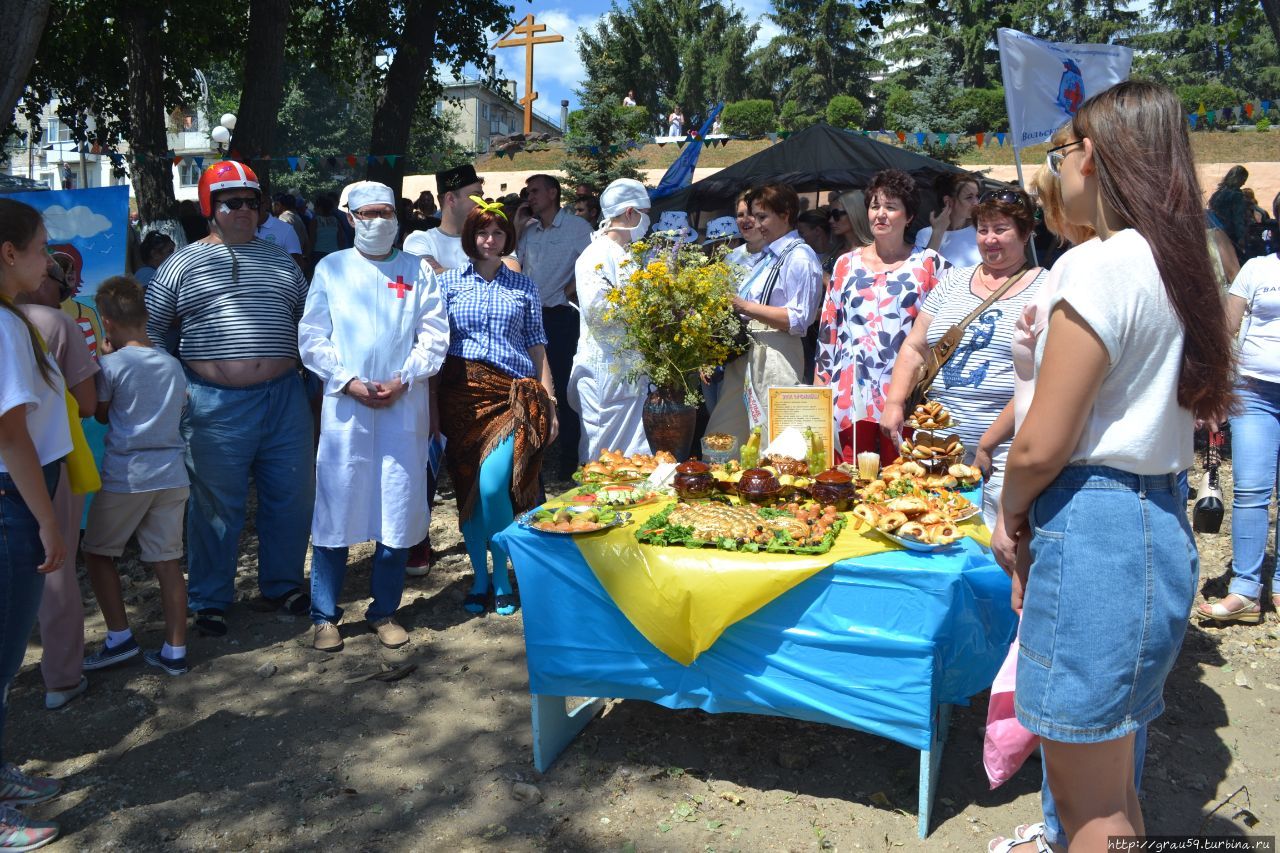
(141, 394)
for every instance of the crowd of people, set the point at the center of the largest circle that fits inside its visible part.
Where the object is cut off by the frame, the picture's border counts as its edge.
(476, 330)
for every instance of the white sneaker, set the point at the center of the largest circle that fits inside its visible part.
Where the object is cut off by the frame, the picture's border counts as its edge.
(55, 699)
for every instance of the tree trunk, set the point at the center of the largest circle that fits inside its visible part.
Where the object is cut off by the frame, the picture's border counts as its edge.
(21, 25)
(1272, 10)
(153, 177)
(255, 132)
(393, 115)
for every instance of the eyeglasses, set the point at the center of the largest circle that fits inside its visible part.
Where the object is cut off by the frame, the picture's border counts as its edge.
(1056, 155)
(1007, 196)
(836, 213)
(384, 213)
(237, 203)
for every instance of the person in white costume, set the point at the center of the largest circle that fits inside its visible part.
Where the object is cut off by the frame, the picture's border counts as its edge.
(610, 406)
(374, 330)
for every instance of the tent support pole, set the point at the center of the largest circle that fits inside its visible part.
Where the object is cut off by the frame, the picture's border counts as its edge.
(1017, 161)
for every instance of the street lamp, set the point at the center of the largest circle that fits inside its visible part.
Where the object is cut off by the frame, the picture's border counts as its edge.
(222, 133)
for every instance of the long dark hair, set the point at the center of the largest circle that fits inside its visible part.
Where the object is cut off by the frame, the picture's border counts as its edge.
(19, 224)
(1148, 177)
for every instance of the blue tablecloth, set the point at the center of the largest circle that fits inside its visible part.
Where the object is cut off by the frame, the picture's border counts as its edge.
(872, 644)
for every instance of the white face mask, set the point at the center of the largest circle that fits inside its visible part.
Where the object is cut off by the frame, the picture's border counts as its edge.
(375, 237)
(640, 229)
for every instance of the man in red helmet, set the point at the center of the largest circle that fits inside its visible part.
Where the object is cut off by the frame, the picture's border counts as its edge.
(236, 301)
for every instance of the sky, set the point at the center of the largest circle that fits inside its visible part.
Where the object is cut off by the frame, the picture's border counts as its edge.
(557, 68)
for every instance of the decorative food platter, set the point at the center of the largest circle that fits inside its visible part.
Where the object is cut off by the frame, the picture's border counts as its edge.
(572, 520)
(796, 528)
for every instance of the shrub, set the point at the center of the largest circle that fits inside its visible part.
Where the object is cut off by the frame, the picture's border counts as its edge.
(1263, 125)
(1214, 96)
(988, 107)
(846, 111)
(793, 117)
(748, 118)
(897, 106)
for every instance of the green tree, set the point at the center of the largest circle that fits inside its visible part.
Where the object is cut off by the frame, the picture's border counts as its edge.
(686, 53)
(822, 51)
(987, 106)
(1204, 41)
(597, 145)
(846, 111)
(931, 107)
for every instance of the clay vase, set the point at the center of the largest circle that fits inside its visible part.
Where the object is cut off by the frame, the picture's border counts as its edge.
(669, 422)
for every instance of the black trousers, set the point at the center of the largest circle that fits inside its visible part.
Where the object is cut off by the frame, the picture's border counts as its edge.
(561, 324)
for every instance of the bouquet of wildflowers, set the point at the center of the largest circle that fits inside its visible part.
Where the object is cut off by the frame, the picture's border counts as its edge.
(675, 305)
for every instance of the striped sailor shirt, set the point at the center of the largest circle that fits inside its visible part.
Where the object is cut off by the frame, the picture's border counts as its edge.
(228, 302)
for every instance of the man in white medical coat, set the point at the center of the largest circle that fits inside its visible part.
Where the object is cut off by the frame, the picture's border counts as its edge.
(374, 329)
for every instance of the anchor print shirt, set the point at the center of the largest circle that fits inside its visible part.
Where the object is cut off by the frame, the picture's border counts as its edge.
(865, 318)
(977, 383)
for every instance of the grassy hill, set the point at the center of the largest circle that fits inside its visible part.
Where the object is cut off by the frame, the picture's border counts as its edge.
(1210, 147)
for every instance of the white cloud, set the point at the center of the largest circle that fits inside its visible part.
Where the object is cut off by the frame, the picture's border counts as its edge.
(64, 225)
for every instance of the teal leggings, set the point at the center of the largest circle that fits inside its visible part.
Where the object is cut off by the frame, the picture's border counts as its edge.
(492, 512)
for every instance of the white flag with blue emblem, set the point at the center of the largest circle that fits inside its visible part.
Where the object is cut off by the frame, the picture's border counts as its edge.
(1046, 82)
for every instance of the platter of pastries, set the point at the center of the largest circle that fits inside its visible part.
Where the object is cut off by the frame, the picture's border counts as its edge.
(613, 466)
(800, 528)
(929, 416)
(615, 495)
(572, 520)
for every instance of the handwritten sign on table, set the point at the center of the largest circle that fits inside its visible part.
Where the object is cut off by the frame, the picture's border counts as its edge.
(802, 406)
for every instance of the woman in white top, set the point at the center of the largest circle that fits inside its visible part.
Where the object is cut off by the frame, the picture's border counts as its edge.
(1255, 437)
(611, 407)
(951, 231)
(1092, 523)
(34, 437)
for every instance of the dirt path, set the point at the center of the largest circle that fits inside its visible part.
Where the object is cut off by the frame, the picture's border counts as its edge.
(269, 745)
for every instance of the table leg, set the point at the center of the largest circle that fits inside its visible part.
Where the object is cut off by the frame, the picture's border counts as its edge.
(555, 727)
(930, 763)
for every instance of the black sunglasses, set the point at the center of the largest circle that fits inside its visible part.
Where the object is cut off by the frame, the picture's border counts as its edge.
(836, 213)
(1007, 196)
(237, 203)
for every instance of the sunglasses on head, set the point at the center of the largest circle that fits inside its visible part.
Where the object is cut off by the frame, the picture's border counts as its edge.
(230, 204)
(1006, 196)
(836, 213)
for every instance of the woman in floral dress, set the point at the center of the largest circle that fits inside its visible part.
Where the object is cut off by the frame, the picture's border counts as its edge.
(875, 294)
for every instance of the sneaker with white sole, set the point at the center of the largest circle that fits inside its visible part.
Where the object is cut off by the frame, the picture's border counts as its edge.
(112, 655)
(419, 562)
(19, 833)
(55, 699)
(19, 789)
(173, 666)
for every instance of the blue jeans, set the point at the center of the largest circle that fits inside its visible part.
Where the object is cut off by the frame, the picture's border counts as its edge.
(263, 431)
(20, 583)
(386, 582)
(1255, 443)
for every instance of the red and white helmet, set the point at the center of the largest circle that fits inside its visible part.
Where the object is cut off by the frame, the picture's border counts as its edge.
(225, 175)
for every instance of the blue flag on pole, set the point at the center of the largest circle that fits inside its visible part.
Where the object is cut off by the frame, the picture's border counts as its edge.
(680, 175)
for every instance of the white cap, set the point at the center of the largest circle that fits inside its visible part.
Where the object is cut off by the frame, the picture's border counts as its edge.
(622, 194)
(361, 193)
(722, 228)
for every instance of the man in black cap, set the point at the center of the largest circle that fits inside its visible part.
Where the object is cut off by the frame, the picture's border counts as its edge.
(442, 246)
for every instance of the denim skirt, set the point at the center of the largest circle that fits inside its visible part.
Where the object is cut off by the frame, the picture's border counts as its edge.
(1113, 576)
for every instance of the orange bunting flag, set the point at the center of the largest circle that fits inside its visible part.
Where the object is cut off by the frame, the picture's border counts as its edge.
(351, 160)
(979, 137)
(1248, 110)
(902, 137)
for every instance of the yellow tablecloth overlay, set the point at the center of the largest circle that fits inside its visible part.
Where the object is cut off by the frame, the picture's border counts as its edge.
(682, 599)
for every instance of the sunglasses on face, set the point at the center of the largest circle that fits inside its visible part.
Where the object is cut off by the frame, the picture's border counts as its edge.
(1057, 154)
(237, 203)
(836, 214)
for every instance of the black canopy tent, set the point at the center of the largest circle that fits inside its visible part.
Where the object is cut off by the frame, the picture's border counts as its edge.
(817, 158)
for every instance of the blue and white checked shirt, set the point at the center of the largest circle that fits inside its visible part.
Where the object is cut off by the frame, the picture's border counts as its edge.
(494, 321)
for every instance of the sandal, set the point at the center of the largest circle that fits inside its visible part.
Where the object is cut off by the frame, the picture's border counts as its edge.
(211, 622)
(1250, 613)
(296, 603)
(504, 605)
(1007, 845)
(475, 603)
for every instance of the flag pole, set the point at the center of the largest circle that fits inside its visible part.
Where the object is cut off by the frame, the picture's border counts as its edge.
(1017, 161)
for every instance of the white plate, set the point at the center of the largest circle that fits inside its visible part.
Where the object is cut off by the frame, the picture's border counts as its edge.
(912, 544)
(525, 520)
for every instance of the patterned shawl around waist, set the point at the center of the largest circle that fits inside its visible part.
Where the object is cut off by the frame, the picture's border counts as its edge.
(479, 407)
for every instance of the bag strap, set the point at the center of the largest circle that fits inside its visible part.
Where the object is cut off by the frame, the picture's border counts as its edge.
(776, 272)
(987, 303)
(941, 352)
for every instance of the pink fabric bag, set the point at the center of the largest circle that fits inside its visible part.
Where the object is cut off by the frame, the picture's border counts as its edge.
(1006, 744)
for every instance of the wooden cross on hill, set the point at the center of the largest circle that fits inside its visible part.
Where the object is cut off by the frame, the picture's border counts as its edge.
(525, 34)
